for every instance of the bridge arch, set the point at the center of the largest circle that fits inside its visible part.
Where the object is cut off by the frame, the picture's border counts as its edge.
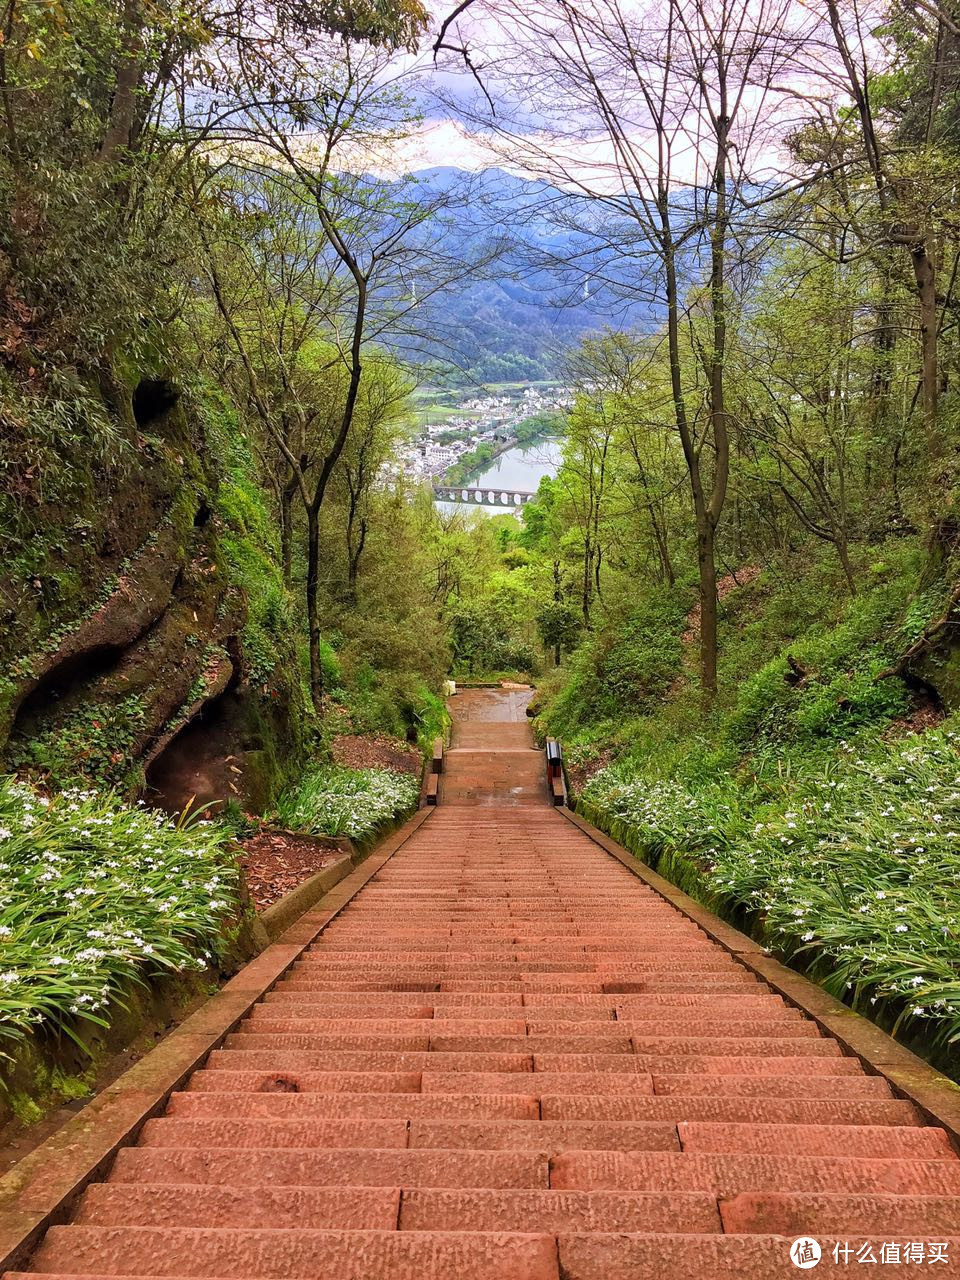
(485, 497)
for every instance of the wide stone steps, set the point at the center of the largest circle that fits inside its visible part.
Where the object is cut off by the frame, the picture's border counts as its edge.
(509, 1059)
(411, 1254)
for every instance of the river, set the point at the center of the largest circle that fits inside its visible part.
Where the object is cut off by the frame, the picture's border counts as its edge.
(522, 467)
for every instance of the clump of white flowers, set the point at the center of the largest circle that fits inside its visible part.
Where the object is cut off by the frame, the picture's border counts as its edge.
(92, 894)
(347, 802)
(858, 868)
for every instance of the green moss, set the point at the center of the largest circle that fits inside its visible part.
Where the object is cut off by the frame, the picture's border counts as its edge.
(71, 1087)
(25, 1109)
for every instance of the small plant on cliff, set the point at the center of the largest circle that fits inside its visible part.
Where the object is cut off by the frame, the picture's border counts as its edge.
(91, 743)
(347, 802)
(95, 895)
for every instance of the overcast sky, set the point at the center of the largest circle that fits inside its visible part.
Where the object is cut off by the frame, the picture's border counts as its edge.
(453, 133)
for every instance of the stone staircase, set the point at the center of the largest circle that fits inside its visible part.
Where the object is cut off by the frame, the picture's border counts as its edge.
(510, 1059)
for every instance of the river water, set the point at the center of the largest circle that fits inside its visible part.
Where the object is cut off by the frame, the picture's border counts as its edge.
(522, 467)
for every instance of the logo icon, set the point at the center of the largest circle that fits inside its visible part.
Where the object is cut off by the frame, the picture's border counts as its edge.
(805, 1253)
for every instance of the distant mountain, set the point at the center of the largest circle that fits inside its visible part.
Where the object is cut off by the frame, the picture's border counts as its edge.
(551, 284)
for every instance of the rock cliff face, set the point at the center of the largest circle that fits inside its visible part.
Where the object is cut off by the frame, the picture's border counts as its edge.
(123, 627)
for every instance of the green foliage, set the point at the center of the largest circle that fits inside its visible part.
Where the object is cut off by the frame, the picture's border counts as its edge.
(250, 547)
(625, 668)
(558, 624)
(851, 862)
(93, 743)
(470, 464)
(96, 895)
(431, 719)
(347, 802)
(840, 694)
(485, 641)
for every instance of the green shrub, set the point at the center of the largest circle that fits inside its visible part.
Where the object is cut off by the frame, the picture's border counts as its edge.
(625, 668)
(839, 694)
(91, 743)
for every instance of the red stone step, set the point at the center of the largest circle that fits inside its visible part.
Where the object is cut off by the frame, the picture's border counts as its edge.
(353, 1004)
(299, 1255)
(746, 1064)
(754, 1028)
(881, 1141)
(277, 1081)
(533, 1135)
(374, 1106)
(729, 1110)
(264, 1021)
(393, 1004)
(587, 1062)
(733, 1047)
(729, 1175)
(460, 1038)
(694, 985)
(783, 1084)
(611, 1043)
(234, 1131)
(331, 1041)
(773, 1213)
(307, 1060)
(650, 1003)
(279, 1208)
(536, 1083)
(363, 1168)
(715, 1257)
(754, 1064)
(425, 1209)
(371, 985)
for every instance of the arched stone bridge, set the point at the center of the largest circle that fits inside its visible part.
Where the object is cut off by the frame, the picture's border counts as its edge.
(482, 497)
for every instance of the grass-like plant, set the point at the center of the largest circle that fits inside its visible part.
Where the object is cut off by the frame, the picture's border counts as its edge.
(332, 801)
(854, 864)
(95, 894)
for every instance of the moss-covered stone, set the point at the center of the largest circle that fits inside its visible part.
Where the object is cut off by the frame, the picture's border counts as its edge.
(148, 598)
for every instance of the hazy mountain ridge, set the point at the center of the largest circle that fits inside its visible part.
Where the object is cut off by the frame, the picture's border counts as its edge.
(544, 293)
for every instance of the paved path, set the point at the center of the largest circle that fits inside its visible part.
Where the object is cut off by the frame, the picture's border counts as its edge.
(509, 1059)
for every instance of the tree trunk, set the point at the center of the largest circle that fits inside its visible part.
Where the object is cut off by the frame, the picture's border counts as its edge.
(287, 495)
(705, 529)
(123, 110)
(719, 427)
(313, 618)
(707, 561)
(356, 553)
(587, 580)
(843, 552)
(925, 276)
(663, 549)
